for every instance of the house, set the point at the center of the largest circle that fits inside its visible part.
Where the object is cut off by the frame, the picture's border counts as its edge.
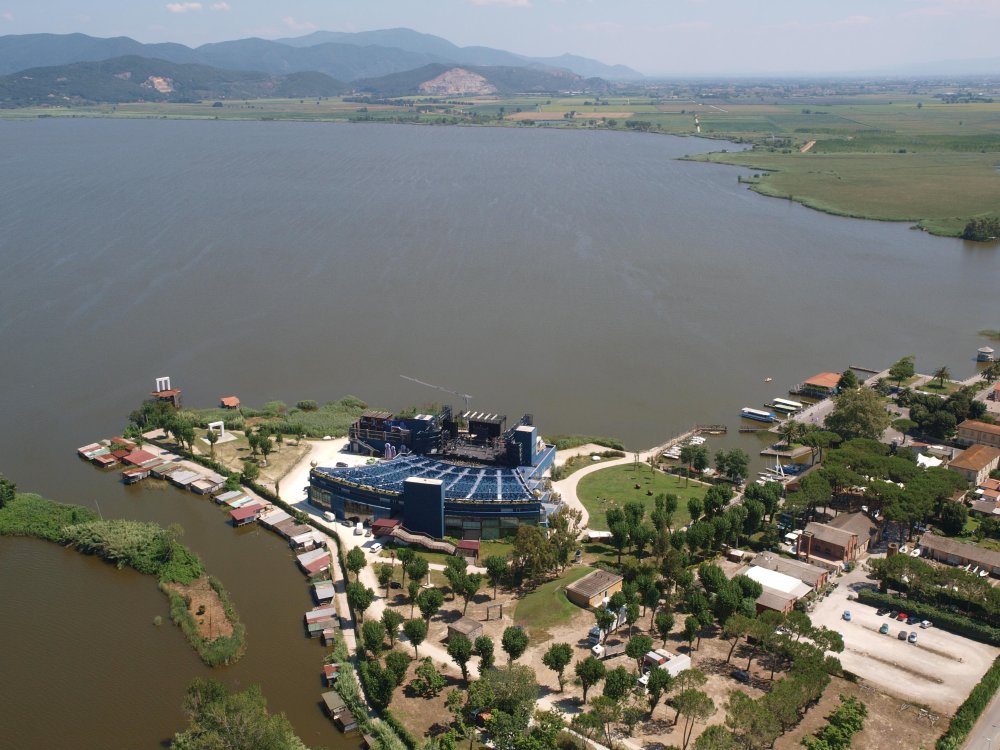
(333, 703)
(229, 402)
(246, 515)
(952, 552)
(826, 545)
(324, 591)
(466, 626)
(594, 588)
(468, 548)
(672, 663)
(170, 395)
(781, 591)
(822, 384)
(972, 432)
(859, 524)
(315, 562)
(811, 575)
(330, 673)
(976, 463)
(345, 721)
(141, 458)
(208, 484)
(384, 526)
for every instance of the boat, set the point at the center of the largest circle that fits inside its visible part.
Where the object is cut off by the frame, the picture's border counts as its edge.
(758, 415)
(781, 408)
(788, 403)
(768, 379)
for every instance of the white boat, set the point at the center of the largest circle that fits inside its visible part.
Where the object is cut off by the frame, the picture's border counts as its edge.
(758, 415)
(983, 573)
(788, 404)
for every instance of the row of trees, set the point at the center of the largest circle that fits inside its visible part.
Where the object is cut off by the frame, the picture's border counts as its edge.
(733, 464)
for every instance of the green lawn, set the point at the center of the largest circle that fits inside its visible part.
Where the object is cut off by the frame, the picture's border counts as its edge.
(616, 485)
(950, 386)
(547, 605)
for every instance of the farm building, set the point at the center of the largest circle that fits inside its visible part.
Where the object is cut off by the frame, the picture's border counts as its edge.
(594, 588)
(466, 626)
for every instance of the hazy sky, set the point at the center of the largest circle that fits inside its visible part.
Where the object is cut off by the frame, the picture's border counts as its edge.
(653, 36)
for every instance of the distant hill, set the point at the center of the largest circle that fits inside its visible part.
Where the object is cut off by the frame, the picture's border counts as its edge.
(343, 56)
(132, 79)
(451, 80)
(428, 44)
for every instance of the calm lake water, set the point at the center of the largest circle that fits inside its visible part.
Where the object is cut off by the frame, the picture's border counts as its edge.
(586, 277)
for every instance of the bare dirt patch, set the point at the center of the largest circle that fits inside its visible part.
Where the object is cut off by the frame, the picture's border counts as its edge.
(212, 622)
(886, 726)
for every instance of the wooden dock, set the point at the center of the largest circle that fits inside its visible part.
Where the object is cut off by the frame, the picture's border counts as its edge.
(711, 429)
(744, 430)
(864, 369)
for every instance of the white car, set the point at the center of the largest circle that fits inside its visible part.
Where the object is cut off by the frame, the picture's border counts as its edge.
(329, 516)
(375, 548)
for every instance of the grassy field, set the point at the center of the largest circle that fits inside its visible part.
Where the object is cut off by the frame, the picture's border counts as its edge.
(616, 485)
(547, 606)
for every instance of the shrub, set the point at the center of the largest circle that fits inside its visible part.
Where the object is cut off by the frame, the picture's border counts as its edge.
(971, 709)
(307, 405)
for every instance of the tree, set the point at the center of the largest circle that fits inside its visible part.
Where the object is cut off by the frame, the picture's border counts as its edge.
(385, 574)
(359, 597)
(557, 658)
(514, 642)
(468, 587)
(460, 650)
(429, 601)
(484, 649)
(590, 671)
(753, 725)
(942, 374)
(416, 632)
(715, 737)
(413, 591)
(696, 707)
(564, 530)
(691, 627)
(397, 663)
(355, 562)
(8, 491)
(533, 556)
(236, 721)
(212, 437)
(637, 647)
(417, 568)
(734, 464)
(848, 381)
(405, 556)
(695, 458)
(619, 537)
(664, 624)
(391, 619)
(953, 518)
(902, 370)
(695, 507)
(605, 620)
(250, 471)
(658, 684)
(496, 569)
(427, 681)
(618, 683)
(373, 637)
(858, 413)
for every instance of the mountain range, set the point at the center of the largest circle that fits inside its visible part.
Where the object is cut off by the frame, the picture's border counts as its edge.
(341, 55)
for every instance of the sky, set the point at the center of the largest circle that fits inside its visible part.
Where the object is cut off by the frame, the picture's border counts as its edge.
(656, 37)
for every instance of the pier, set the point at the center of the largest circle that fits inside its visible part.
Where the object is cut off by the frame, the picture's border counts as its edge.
(711, 429)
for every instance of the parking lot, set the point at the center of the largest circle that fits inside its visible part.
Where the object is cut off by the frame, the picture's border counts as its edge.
(939, 670)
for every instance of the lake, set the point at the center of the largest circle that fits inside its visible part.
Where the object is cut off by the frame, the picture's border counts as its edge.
(586, 277)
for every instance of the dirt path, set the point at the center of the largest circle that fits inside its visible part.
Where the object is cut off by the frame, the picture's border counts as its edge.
(807, 147)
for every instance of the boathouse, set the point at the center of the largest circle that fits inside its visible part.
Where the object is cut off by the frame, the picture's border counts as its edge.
(245, 515)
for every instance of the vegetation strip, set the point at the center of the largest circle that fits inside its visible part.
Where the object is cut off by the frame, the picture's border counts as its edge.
(145, 547)
(971, 709)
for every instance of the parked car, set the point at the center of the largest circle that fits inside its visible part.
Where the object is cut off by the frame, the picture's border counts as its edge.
(884, 630)
(927, 624)
(913, 637)
(375, 548)
(327, 515)
(847, 615)
(902, 635)
(912, 620)
(881, 612)
(341, 465)
(740, 674)
(903, 617)
(893, 613)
